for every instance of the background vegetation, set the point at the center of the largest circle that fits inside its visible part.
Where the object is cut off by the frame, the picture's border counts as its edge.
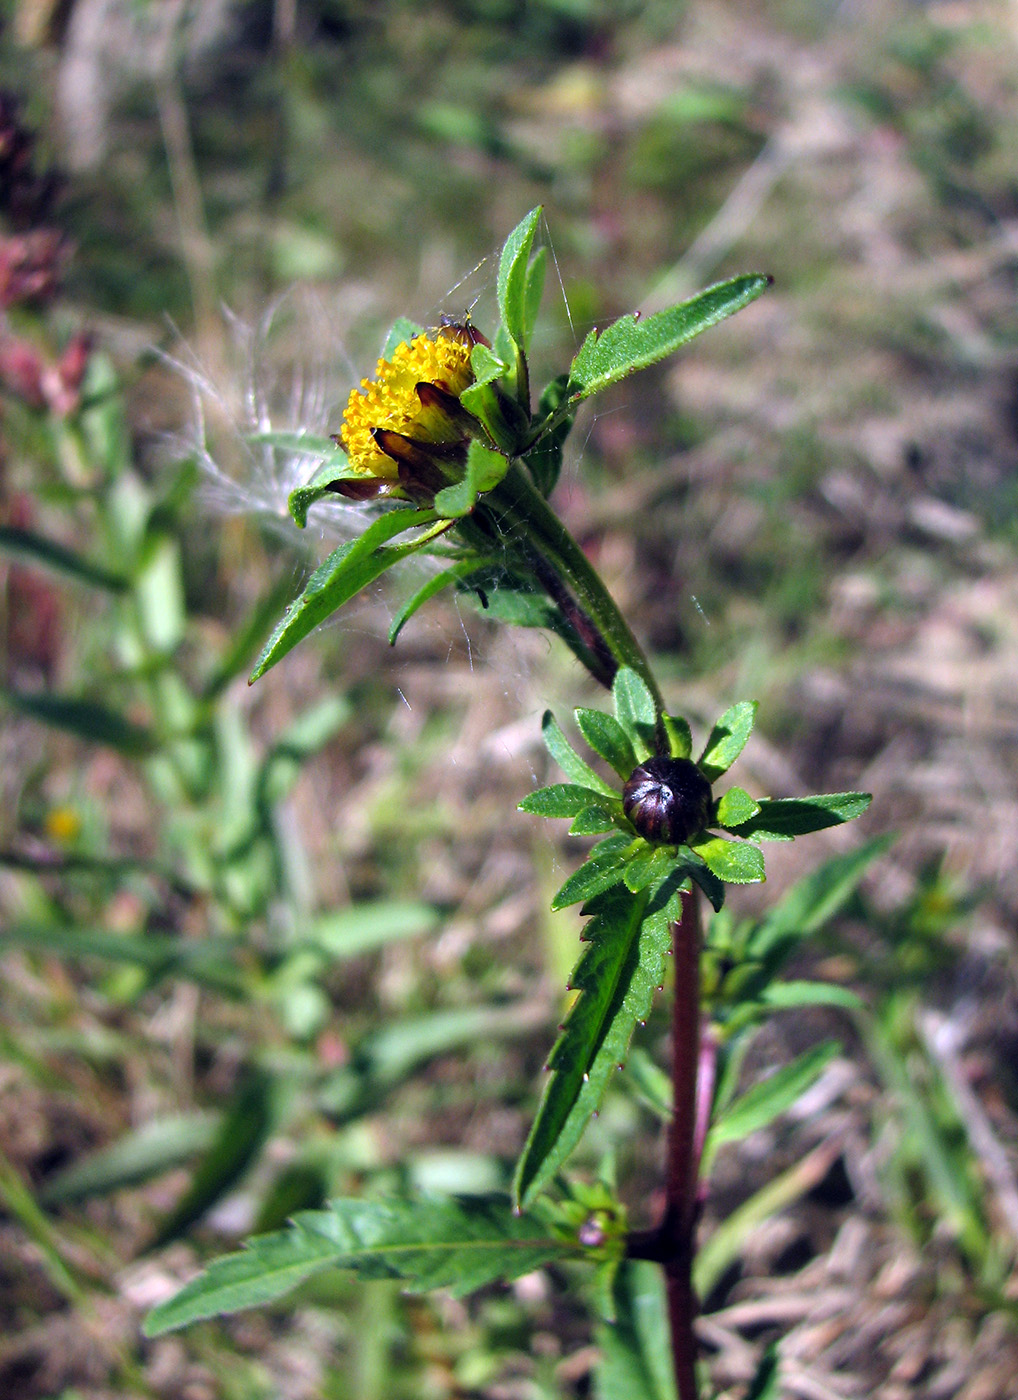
(236, 981)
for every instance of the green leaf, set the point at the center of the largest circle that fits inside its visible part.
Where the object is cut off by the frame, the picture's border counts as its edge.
(364, 928)
(401, 332)
(434, 585)
(790, 994)
(812, 901)
(680, 740)
(635, 711)
(544, 459)
(784, 818)
(138, 1155)
(766, 1384)
(608, 740)
(712, 887)
(241, 1134)
(207, 960)
(484, 470)
(456, 1244)
(347, 570)
(593, 821)
(569, 761)
(602, 869)
(512, 283)
(559, 800)
(336, 467)
(627, 937)
(771, 1097)
(35, 549)
(648, 866)
(633, 342)
(736, 807)
(735, 862)
(636, 1359)
(86, 719)
(728, 739)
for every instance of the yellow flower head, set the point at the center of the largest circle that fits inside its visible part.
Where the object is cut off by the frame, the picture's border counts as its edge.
(399, 425)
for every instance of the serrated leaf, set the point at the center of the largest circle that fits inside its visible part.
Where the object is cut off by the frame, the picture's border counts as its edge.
(633, 343)
(636, 1359)
(635, 711)
(484, 469)
(347, 570)
(512, 281)
(85, 719)
(335, 468)
(727, 739)
(784, 818)
(401, 332)
(770, 1098)
(23, 544)
(602, 869)
(456, 1244)
(568, 760)
(592, 821)
(608, 739)
(680, 740)
(736, 807)
(559, 800)
(735, 862)
(628, 937)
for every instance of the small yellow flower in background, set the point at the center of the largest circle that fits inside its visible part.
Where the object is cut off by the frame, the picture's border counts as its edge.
(405, 428)
(63, 825)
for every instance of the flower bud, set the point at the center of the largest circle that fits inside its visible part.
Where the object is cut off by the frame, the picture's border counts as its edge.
(667, 800)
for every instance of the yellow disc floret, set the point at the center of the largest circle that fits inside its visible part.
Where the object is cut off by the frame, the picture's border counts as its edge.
(391, 402)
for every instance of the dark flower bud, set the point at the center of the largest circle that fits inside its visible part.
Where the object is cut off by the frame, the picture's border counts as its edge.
(667, 800)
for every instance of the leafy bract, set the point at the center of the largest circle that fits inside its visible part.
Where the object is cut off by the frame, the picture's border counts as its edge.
(335, 467)
(727, 739)
(627, 938)
(456, 1244)
(603, 868)
(635, 710)
(736, 807)
(401, 332)
(484, 470)
(634, 342)
(735, 862)
(514, 304)
(429, 589)
(347, 570)
(784, 818)
(560, 800)
(568, 760)
(608, 739)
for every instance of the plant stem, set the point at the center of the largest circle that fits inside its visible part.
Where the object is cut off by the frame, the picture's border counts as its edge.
(525, 515)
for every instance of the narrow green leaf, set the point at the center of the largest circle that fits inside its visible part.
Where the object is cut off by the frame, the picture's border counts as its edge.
(363, 928)
(207, 960)
(812, 901)
(401, 332)
(773, 1096)
(86, 719)
(23, 544)
(680, 740)
(347, 570)
(608, 740)
(784, 818)
(628, 937)
(635, 711)
(559, 800)
(428, 590)
(533, 292)
(603, 868)
(456, 1244)
(736, 807)
(241, 1135)
(636, 1359)
(728, 739)
(569, 761)
(512, 282)
(484, 470)
(633, 342)
(735, 862)
(138, 1155)
(791, 994)
(766, 1384)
